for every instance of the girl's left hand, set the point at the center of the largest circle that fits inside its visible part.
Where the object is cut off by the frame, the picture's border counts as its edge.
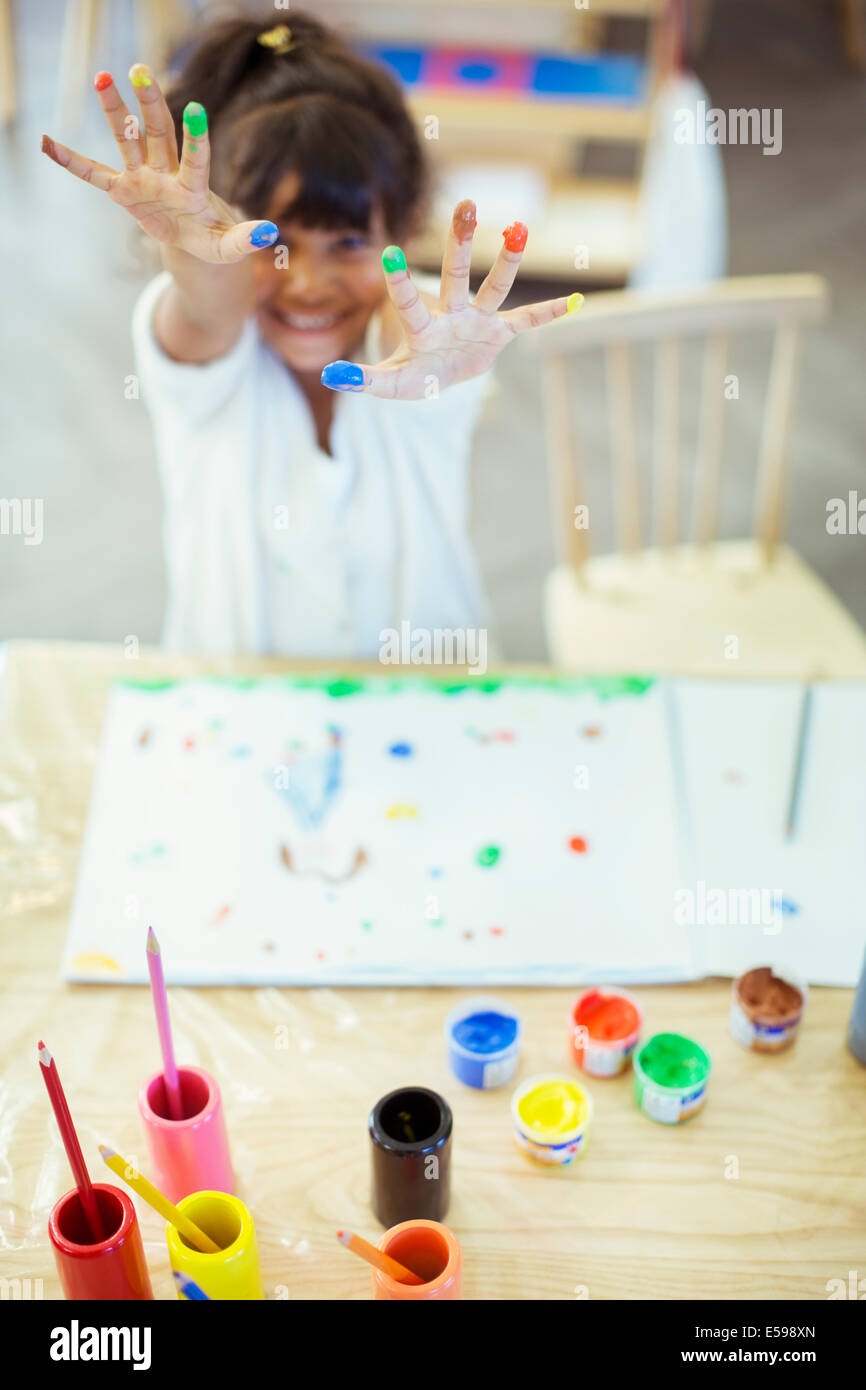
(459, 338)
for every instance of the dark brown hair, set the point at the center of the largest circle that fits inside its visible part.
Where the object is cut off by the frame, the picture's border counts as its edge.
(319, 110)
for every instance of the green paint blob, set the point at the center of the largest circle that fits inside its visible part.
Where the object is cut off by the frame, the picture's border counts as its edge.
(393, 259)
(366, 926)
(336, 684)
(669, 1059)
(488, 856)
(195, 118)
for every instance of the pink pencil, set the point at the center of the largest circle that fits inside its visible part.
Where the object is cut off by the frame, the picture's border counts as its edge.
(160, 1004)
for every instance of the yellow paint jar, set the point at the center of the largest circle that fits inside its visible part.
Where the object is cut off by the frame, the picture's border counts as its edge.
(551, 1116)
(233, 1272)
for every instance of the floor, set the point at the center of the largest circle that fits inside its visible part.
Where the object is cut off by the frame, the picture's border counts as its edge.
(71, 437)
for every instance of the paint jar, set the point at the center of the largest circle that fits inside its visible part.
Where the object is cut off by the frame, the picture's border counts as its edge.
(605, 1027)
(410, 1132)
(113, 1268)
(192, 1154)
(429, 1250)
(483, 1040)
(551, 1116)
(767, 1004)
(231, 1273)
(670, 1077)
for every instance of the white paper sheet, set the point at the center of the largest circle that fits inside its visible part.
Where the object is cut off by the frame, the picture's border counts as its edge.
(272, 831)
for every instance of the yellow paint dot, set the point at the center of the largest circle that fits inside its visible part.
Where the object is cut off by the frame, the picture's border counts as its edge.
(401, 812)
(94, 961)
(573, 303)
(139, 75)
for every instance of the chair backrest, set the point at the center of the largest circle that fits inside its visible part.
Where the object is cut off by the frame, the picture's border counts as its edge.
(614, 322)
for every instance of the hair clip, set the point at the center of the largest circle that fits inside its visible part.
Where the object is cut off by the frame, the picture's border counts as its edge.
(279, 39)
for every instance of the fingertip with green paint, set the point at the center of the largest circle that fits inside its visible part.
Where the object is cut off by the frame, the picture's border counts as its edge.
(573, 303)
(393, 259)
(195, 119)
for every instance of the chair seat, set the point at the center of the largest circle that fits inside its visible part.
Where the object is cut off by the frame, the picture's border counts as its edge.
(674, 611)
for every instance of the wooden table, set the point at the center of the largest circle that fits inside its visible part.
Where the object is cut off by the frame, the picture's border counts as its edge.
(762, 1195)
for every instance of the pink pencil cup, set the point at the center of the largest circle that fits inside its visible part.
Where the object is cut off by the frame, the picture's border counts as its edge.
(113, 1268)
(192, 1154)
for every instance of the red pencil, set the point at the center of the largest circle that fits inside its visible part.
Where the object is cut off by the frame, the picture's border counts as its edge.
(70, 1142)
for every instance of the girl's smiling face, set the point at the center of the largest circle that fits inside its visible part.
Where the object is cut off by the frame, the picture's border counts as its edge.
(316, 309)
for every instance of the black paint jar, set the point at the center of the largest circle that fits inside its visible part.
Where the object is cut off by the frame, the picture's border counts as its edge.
(410, 1131)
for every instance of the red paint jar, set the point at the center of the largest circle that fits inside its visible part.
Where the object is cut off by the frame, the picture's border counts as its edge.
(114, 1268)
(605, 1028)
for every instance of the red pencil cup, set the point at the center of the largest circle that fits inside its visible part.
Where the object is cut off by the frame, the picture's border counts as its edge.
(113, 1268)
(433, 1252)
(192, 1154)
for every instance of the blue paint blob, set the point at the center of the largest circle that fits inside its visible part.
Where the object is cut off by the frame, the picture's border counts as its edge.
(789, 908)
(485, 1033)
(436, 873)
(400, 750)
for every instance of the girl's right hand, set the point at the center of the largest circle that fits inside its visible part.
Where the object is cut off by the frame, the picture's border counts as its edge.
(169, 198)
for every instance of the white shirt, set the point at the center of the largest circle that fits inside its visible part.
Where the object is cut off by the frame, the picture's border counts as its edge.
(273, 546)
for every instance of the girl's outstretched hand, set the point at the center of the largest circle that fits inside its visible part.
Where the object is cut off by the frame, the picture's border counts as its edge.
(458, 339)
(170, 198)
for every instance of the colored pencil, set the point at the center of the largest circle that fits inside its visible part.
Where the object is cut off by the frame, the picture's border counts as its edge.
(160, 1004)
(154, 1198)
(378, 1258)
(189, 1288)
(86, 1195)
(799, 762)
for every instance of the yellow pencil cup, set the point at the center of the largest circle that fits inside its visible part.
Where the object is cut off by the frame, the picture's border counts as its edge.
(232, 1273)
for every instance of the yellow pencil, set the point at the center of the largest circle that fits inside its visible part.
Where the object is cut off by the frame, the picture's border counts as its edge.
(154, 1198)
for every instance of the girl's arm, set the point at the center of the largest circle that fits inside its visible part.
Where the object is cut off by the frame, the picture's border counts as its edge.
(204, 245)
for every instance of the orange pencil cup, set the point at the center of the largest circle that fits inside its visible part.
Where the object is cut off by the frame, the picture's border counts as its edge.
(113, 1268)
(192, 1154)
(429, 1250)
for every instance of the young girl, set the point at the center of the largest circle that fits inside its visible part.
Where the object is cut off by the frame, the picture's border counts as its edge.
(312, 501)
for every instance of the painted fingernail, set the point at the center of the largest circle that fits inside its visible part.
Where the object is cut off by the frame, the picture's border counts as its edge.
(195, 118)
(463, 223)
(573, 303)
(265, 234)
(515, 235)
(102, 80)
(343, 376)
(393, 259)
(140, 75)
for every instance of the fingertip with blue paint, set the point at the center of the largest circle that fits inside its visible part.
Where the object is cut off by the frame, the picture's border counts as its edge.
(343, 376)
(265, 234)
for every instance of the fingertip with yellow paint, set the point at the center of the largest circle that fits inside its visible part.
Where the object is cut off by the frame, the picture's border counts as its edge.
(573, 303)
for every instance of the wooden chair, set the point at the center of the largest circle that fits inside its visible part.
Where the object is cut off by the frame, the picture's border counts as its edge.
(696, 606)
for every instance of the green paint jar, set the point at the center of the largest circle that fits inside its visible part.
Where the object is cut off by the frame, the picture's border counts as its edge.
(670, 1078)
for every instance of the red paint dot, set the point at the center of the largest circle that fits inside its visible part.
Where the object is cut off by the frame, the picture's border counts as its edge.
(578, 844)
(102, 80)
(189, 743)
(221, 914)
(506, 736)
(591, 731)
(320, 955)
(497, 931)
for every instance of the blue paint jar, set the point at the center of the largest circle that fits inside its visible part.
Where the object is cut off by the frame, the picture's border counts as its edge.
(483, 1040)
